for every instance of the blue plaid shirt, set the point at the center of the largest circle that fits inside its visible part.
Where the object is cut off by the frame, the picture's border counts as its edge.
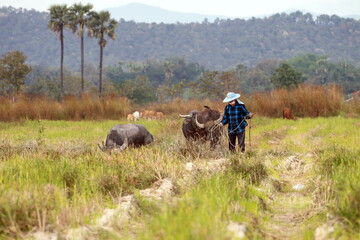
(235, 117)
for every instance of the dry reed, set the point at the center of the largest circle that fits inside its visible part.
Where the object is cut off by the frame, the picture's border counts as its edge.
(305, 101)
(87, 107)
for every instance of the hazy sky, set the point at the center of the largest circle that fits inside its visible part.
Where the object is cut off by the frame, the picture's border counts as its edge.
(231, 8)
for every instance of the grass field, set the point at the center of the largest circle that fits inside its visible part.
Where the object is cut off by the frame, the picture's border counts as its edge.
(54, 178)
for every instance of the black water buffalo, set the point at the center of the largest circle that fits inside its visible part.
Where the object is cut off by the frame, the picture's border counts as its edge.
(202, 126)
(122, 136)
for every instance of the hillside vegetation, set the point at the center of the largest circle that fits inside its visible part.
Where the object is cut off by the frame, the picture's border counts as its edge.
(215, 45)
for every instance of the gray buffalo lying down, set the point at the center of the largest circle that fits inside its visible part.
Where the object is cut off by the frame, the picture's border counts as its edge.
(122, 136)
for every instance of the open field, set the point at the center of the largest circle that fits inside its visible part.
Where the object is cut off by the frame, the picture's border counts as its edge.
(55, 182)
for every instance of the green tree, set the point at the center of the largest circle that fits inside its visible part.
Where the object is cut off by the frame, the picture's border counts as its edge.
(285, 77)
(101, 25)
(306, 64)
(209, 85)
(58, 21)
(78, 20)
(228, 81)
(140, 90)
(258, 77)
(13, 70)
(165, 92)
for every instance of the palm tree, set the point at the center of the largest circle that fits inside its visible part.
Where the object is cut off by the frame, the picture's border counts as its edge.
(101, 26)
(57, 23)
(78, 19)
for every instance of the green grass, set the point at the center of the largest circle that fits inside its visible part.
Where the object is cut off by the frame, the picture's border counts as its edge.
(205, 211)
(53, 176)
(63, 156)
(341, 166)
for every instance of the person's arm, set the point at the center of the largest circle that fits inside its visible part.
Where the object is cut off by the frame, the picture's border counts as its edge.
(247, 114)
(225, 119)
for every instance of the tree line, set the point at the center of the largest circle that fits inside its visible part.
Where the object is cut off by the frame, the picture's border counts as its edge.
(159, 80)
(217, 45)
(162, 81)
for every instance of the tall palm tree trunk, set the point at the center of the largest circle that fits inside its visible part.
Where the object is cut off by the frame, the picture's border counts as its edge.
(62, 65)
(100, 69)
(82, 64)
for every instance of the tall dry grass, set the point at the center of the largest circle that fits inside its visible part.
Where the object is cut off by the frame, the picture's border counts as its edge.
(182, 106)
(305, 101)
(86, 107)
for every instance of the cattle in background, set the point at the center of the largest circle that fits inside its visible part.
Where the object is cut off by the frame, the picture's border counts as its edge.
(122, 136)
(148, 114)
(355, 96)
(136, 115)
(130, 117)
(159, 115)
(287, 114)
(202, 126)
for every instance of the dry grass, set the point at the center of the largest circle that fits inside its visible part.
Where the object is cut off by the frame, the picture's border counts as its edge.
(86, 107)
(305, 101)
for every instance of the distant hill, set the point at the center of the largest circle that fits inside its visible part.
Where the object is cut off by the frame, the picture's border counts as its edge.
(139, 12)
(217, 45)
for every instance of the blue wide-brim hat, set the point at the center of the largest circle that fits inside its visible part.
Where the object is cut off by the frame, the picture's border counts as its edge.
(231, 96)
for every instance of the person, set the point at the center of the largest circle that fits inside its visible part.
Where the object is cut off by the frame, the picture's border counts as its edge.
(235, 114)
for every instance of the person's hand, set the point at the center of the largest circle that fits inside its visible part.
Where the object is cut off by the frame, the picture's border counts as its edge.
(250, 115)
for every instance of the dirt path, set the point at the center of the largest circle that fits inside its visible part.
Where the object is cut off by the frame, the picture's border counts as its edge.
(292, 205)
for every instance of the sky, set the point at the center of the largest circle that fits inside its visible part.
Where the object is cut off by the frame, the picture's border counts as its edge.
(230, 8)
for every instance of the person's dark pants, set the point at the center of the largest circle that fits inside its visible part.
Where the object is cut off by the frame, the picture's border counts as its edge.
(241, 141)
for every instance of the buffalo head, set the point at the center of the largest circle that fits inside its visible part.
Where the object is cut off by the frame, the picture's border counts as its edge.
(202, 126)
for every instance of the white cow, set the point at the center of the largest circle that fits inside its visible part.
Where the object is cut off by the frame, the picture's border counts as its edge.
(136, 115)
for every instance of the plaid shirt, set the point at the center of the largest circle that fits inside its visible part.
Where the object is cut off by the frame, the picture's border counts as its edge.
(235, 116)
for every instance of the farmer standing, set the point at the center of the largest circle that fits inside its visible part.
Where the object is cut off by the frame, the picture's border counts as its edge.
(235, 114)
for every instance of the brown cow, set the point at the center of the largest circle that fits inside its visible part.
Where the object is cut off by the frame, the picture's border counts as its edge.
(287, 114)
(148, 114)
(159, 115)
(130, 117)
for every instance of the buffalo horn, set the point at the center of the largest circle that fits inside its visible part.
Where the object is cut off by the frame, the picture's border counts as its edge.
(217, 121)
(200, 125)
(125, 144)
(102, 148)
(184, 116)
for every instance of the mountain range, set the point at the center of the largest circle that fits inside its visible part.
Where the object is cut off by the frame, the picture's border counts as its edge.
(139, 12)
(219, 45)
